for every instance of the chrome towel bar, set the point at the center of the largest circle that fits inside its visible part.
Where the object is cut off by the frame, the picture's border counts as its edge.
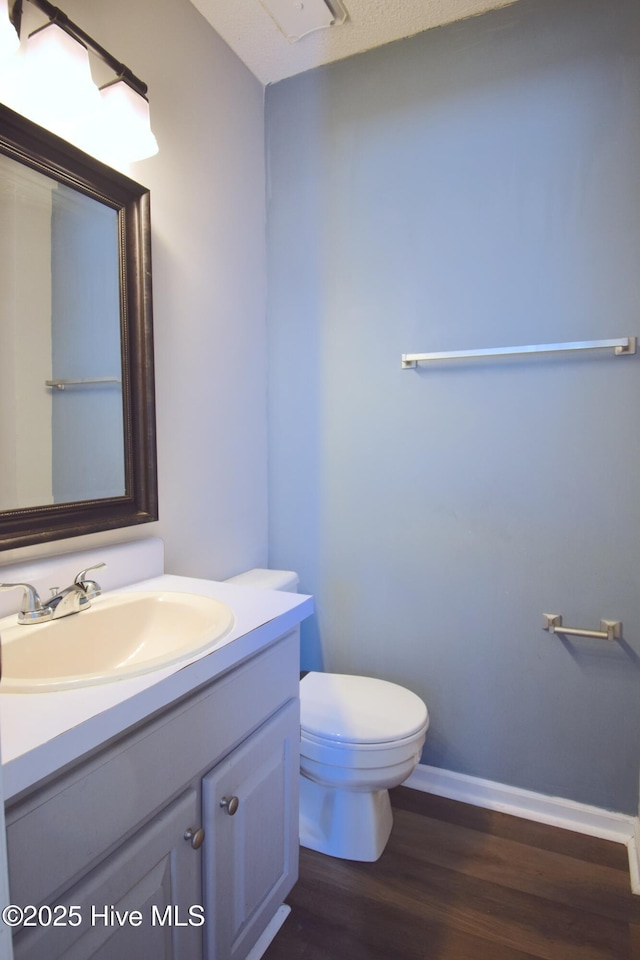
(609, 629)
(622, 347)
(61, 384)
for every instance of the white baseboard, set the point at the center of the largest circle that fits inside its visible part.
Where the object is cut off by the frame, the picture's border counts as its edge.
(556, 811)
(267, 935)
(633, 846)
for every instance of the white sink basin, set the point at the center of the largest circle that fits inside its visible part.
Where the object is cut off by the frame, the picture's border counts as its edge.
(120, 635)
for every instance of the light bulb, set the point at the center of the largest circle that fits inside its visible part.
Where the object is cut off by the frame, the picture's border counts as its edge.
(122, 132)
(58, 91)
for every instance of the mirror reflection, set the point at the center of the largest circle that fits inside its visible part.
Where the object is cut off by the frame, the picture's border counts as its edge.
(61, 403)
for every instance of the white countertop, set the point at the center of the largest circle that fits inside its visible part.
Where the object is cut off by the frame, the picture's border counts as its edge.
(40, 733)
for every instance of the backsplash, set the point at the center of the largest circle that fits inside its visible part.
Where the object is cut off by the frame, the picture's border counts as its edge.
(125, 563)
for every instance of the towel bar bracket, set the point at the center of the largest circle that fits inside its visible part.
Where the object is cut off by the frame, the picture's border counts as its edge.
(630, 347)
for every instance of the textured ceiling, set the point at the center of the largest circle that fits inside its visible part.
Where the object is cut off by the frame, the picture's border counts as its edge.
(252, 34)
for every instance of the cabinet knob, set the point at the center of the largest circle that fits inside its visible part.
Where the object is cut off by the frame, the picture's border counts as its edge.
(195, 836)
(230, 805)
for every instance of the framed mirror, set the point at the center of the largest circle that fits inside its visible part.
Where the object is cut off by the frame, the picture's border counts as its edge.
(77, 401)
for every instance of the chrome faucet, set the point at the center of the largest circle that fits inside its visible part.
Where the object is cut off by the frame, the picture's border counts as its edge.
(72, 599)
(32, 610)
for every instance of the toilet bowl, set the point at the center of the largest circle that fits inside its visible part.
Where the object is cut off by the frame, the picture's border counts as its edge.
(359, 737)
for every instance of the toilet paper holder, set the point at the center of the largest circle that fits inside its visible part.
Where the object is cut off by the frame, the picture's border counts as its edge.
(609, 629)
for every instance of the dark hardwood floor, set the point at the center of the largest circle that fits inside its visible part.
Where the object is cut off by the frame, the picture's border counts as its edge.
(460, 883)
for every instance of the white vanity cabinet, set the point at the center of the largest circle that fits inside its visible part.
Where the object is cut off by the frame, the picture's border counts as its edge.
(107, 835)
(250, 804)
(155, 868)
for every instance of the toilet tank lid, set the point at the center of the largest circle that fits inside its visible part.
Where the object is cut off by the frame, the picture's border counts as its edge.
(267, 579)
(348, 709)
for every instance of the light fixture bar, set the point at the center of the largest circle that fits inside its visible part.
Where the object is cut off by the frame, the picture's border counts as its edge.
(58, 16)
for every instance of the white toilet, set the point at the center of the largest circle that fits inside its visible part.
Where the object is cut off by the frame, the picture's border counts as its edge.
(358, 738)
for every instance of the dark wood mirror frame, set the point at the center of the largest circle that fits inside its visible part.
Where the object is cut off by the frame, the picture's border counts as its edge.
(37, 148)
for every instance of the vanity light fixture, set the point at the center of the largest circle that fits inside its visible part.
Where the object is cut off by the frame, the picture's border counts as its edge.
(56, 89)
(9, 39)
(121, 131)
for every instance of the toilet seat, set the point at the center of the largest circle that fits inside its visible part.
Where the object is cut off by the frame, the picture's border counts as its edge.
(359, 712)
(312, 742)
(374, 756)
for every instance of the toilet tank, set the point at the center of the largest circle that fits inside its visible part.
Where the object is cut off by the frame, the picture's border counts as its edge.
(285, 580)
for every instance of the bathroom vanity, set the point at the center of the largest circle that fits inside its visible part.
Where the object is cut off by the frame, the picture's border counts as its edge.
(158, 816)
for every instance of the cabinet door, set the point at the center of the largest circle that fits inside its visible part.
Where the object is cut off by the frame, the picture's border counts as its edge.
(156, 872)
(251, 851)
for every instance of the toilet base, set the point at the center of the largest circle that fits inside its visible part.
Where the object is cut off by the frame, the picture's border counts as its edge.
(352, 825)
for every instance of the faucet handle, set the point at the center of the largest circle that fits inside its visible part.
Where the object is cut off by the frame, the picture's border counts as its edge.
(31, 608)
(90, 587)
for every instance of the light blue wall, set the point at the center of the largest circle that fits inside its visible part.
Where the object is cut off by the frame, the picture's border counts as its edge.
(475, 186)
